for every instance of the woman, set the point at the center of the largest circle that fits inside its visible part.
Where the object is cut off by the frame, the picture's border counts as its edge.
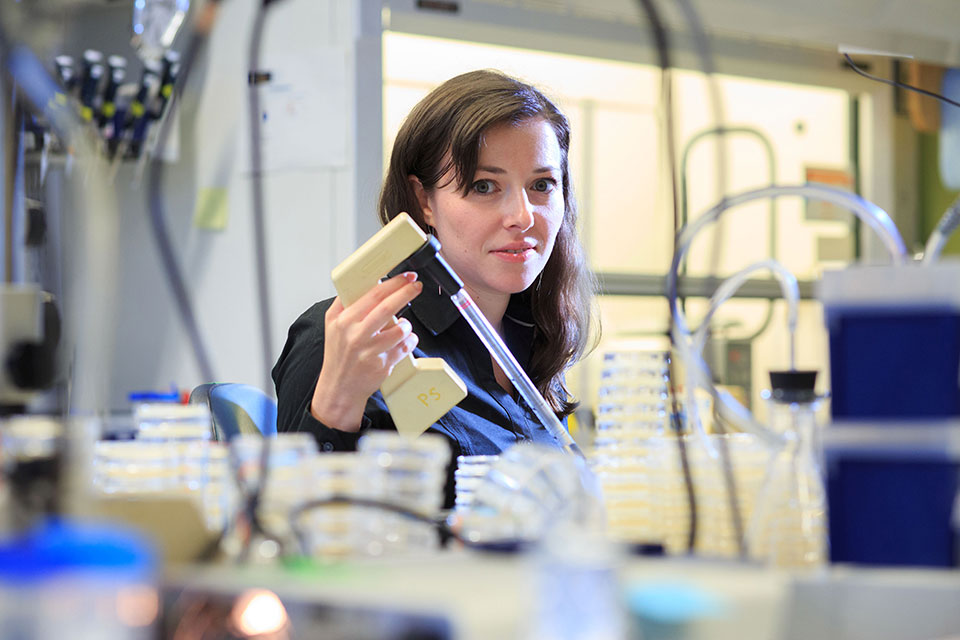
(481, 163)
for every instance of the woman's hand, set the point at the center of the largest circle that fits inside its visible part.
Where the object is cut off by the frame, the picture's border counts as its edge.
(362, 345)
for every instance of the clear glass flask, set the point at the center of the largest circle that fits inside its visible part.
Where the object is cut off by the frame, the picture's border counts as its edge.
(788, 528)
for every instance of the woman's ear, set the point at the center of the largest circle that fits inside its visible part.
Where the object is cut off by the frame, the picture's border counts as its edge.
(422, 199)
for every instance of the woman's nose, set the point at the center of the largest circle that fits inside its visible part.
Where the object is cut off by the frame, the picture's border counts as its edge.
(520, 212)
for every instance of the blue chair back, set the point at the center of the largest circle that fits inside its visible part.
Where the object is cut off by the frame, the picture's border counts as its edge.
(238, 408)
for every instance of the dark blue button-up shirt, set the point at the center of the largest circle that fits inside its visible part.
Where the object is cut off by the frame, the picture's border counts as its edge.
(486, 422)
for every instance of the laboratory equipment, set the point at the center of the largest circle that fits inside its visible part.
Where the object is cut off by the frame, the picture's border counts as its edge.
(872, 215)
(469, 473)
(334, 531)
(409, 474)
(418, 391)
(894, 340)
(31, 450)
(947, 224)
(170, 458)
(730, 358)
(70, 580)
(789, 521)
(788, 285)
(645, 497)
(633, 399)
(155, 25)
(577, 591)
(530, 489)
(892, 492)
(281, 480)
(29, 339)
(891, 456)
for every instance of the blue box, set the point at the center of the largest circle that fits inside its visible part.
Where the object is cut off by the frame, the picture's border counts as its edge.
(892, 455)
(891, 494)
(894, 341)
(894, 365)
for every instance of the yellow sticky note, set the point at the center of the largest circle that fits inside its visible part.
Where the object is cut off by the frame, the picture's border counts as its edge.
(211, 211)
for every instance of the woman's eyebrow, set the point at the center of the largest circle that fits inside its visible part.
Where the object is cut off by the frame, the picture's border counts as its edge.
(498, 170)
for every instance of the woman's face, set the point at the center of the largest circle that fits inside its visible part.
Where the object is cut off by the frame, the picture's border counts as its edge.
(499, 236)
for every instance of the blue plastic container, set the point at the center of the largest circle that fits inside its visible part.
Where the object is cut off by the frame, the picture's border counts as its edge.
(891, 492)
(78, 581)
(894, 341)
(886, 364)
(892, 454)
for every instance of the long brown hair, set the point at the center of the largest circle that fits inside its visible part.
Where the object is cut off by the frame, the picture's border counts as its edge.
(445, 131)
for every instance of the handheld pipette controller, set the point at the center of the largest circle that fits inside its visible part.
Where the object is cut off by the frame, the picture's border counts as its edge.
(419, 391)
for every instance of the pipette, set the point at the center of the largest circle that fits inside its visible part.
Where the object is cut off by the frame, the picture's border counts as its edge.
(428, 262)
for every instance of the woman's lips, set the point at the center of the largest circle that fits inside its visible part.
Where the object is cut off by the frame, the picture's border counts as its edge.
(515, 254)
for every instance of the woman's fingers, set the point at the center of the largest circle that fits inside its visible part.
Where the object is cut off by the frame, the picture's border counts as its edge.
(389, 337)
(375, 298)
(390, 345)
(382, 315)
(404, 348)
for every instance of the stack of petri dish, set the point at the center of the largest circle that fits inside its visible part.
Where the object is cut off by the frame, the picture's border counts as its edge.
(470, 472)
(166, 421)
(529, 490)
(409, 474)
(132, 467)
(633, 408)
(624, 473)
(667, 494)
(219, 492)
(287, 481)
(184, 428)
(334, 531)
(635, 456)
(633, 397)
(170, 455)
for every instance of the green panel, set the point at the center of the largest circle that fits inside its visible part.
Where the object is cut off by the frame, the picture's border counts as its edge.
(933, 197)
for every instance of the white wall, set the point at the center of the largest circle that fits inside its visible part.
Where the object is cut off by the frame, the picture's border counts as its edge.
(311, 209)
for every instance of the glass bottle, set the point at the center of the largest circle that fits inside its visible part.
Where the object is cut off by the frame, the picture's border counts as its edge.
(788, 527)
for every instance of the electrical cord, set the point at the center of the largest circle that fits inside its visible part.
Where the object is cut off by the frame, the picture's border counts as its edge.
(702, 44)
(250, 498)
(444, 531)
(260, 248)
(256, 163)
(733, 502)
(202, 26)
(722, 131)
(250, 501)
(897, 83)
(663, 54)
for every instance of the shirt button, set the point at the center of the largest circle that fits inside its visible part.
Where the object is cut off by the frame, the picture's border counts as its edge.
(328, 446)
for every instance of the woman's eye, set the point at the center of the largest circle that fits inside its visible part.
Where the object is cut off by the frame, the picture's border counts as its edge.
(483, 186)
(544, 184)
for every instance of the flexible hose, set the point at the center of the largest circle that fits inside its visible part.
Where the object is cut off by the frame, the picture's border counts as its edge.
(948, 223)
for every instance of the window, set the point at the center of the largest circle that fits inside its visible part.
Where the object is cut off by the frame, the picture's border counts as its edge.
(618, 164)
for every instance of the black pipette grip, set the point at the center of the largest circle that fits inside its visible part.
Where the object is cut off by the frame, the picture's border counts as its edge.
(117, 70)
(66, 73)
(171, 67)
(428, 262)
